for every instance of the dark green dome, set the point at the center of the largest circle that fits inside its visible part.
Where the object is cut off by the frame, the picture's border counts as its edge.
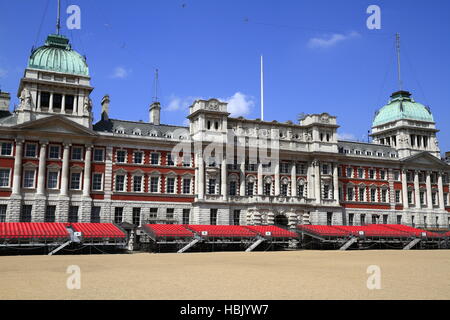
(402, 106)
(57, 56)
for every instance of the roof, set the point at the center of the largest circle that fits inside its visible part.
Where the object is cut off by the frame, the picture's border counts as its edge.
(402, 106)
(57, 56)
(130, 127)
(36, 230)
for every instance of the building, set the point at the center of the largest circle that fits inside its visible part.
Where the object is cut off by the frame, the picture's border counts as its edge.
(57, 165)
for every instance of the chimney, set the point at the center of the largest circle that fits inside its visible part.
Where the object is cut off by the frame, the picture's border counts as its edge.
(105, 107)
(5, 99)
(155, 113)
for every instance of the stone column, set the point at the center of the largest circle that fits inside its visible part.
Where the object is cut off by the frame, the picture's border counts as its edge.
(201, 178)
(417, 189)
(277, 178)
(242, 178)
(41, 170)
(317, 188)
(63, 104)
(293, 180)
(224, 179)
(405, 190)
(38, 103)
(50, 103)
(441, 191)
(87, 172)
(335, 182)
(429, 198)
(260, 179)
(65, 171)
(17, 178)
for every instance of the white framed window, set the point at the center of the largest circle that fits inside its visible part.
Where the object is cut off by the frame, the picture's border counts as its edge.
(154, 184)
(5, 177)
(349, 172)
(187, 185)
(138, 157)
(212, 186)
(99, 154)
(325, 169)
(397, 196)
(75, 180)
(360, 173)
(362, 194)
(52, 179)
(121, 156)
(6, 148)
(120, 182)
(350, 194)
(382, 174)
(384, 197)
(31, 150)
(137, 183)
(373, 195)
(154, 158)
(170, 184)
(371, 174)
(97, 181)
(29, 178)
(170, 159)
(77, 153)
(54, 152)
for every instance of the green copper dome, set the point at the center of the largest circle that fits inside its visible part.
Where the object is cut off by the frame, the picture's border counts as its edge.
(57, 56)
(402, 106)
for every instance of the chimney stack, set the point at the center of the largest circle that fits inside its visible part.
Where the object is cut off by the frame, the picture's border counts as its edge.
(105, 107)
(5, 99)
(155, 113)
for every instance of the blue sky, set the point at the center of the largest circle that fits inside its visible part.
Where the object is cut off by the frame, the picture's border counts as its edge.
(319, 55)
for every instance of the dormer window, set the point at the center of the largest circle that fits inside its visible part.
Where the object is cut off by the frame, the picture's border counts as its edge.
(137, 132)
(120, 130)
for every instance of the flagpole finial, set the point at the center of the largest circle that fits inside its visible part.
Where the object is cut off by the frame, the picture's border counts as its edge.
(397, 41)
(58, 18)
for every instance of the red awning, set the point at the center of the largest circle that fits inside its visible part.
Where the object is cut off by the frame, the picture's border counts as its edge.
(98, 230)
(35, 230)
(275, 232)
(168, 230)
(222, 231)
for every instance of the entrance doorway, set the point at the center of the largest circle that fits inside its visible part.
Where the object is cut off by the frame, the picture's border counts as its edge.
(281, 220)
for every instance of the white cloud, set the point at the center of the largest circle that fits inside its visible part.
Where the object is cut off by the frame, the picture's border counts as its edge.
(177, 103)
(346, 136)
(239, 104)
(327, 41)
(120, 73)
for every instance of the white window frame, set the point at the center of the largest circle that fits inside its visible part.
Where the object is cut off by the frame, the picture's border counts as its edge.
(125, 176)
(26, 149)
(103, 155)
(11, 150)
(174, 184)
(151, 158)
(125, 156)
(190, 185)
(57, 178)
(140, 175)
(158, 187)
(101, 183)
(34, 178)
(142, 158)
(72, 172)
(49, 152)
(81, 153)
(9, 178)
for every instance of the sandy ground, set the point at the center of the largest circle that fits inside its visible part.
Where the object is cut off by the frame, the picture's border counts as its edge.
(230, 275)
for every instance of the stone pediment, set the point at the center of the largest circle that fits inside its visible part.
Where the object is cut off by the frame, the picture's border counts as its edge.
(425, 159)
(56, 124)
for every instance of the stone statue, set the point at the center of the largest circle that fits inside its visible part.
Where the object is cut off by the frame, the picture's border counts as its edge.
(25, 100)
(87, 108)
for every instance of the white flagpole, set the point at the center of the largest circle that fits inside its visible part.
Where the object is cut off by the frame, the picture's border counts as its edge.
(262, 88)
